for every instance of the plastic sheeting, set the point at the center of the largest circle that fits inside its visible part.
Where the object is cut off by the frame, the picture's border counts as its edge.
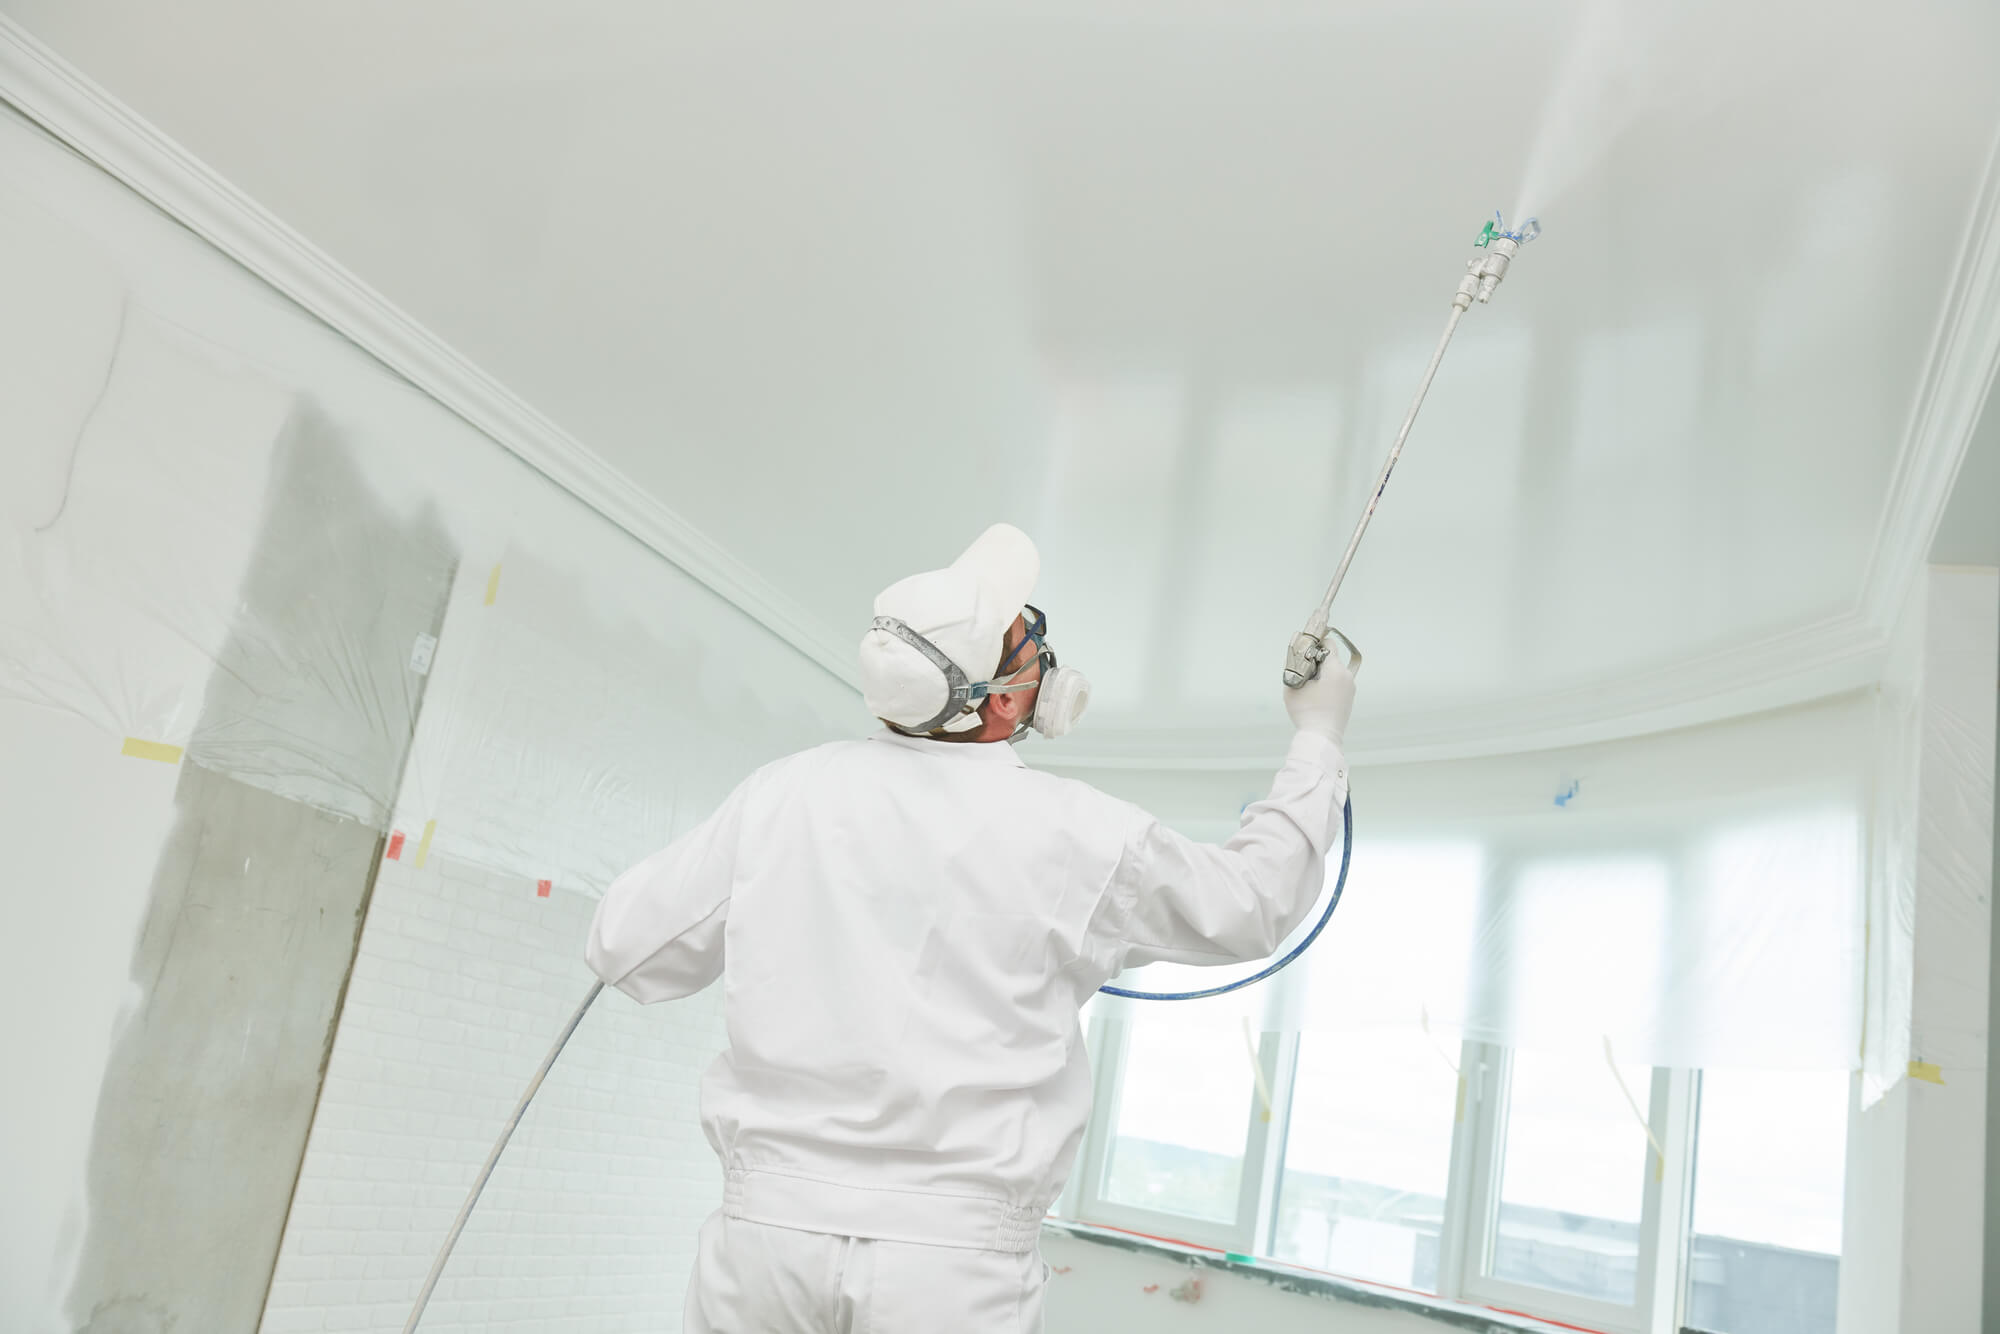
(589, 721)
(1695, 897)
(231, 538)
(1931, 845)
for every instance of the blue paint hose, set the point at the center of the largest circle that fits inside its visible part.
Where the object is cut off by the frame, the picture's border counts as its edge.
(1326, 915)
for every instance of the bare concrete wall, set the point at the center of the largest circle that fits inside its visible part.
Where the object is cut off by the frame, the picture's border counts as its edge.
(204, 1108)
(256, 904)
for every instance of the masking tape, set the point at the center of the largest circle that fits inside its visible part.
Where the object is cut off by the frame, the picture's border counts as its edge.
(1458, 1117)
(1659, 1153)
(1257, 1069)
(493, 585)
(424, 847)
(1424, 1022)
(1927, 1072)
(395, 853)
(151, 750)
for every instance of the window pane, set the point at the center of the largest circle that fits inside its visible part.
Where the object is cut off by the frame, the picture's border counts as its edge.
(1573, 1178)
(1183, 1115)
(1367, 1156)
(1769, 1163)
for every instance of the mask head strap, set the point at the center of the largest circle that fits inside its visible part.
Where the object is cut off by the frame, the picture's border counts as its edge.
(962, 694)
(1037, 634)
(959, 690)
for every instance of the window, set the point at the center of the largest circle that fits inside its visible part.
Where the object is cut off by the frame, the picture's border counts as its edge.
(1365, 1140)
(1573, 1170)
(1368, 1156)
(1769, 1157)
(1177, 1143)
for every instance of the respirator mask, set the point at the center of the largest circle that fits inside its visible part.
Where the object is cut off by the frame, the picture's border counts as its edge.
(1065, 692)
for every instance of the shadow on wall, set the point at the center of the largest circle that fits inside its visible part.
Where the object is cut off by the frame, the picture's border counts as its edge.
(257, 903)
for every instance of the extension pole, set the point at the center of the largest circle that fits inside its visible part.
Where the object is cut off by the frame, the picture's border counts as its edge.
(520, 1110)
(1323, 615)
(1309, 647)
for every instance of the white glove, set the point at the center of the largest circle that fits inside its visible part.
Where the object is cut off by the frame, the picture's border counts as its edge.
(1325, 703)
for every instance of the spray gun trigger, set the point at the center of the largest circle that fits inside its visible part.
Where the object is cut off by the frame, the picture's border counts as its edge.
(1303, 657)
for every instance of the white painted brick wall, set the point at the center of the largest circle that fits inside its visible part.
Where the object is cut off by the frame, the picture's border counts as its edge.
(462, 981)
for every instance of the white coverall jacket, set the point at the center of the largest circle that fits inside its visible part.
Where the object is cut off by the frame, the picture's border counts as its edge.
(906, 930)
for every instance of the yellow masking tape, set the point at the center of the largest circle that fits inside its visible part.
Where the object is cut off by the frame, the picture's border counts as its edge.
(1458, 1117)
(424, 848)
(151, 750)
(1927, 1072)
(493, 585)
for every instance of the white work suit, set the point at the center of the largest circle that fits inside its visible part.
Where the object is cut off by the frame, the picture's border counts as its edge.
(906, 930)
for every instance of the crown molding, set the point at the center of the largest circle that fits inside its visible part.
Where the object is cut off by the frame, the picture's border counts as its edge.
(104, 131)
(1958, 376)
(1841, 653)
(1829, 657)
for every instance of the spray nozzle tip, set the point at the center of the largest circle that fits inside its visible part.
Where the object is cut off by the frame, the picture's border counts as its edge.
(1497, 229)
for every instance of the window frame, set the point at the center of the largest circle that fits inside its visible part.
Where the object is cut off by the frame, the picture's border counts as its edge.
(1248, 1232)
(1471, 1192)
(1665, 1210)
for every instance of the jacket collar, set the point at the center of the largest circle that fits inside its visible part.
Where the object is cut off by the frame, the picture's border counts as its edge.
(978, 752)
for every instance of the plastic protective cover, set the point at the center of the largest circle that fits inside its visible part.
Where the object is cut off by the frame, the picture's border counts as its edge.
(229, 539)
(1694, 897)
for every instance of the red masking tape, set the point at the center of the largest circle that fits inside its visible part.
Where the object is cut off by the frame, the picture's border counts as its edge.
(542, 888)
(396, 846)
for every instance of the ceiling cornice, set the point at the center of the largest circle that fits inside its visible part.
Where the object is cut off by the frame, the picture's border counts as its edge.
(1958, 375)
(1828, 658)
(1841, 653)
(49, 91)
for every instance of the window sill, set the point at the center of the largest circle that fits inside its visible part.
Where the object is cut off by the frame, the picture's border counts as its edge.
(1314, 1283)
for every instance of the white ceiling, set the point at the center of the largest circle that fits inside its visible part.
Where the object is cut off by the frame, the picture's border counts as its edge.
(1155, 281)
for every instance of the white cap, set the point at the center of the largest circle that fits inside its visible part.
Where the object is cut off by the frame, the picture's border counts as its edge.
(965, 609)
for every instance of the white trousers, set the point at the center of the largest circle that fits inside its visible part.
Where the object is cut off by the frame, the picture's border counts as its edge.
(753, 1278)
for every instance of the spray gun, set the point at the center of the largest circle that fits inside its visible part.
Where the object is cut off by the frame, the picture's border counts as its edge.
(1309, 646)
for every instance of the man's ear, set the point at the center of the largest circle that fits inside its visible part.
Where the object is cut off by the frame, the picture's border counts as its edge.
(1007, 707)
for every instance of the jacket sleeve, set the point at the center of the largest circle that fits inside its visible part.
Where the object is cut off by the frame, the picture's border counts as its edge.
(658, 930)
(1175, 899)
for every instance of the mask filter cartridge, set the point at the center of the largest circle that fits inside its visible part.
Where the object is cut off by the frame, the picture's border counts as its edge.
(1065, 694)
